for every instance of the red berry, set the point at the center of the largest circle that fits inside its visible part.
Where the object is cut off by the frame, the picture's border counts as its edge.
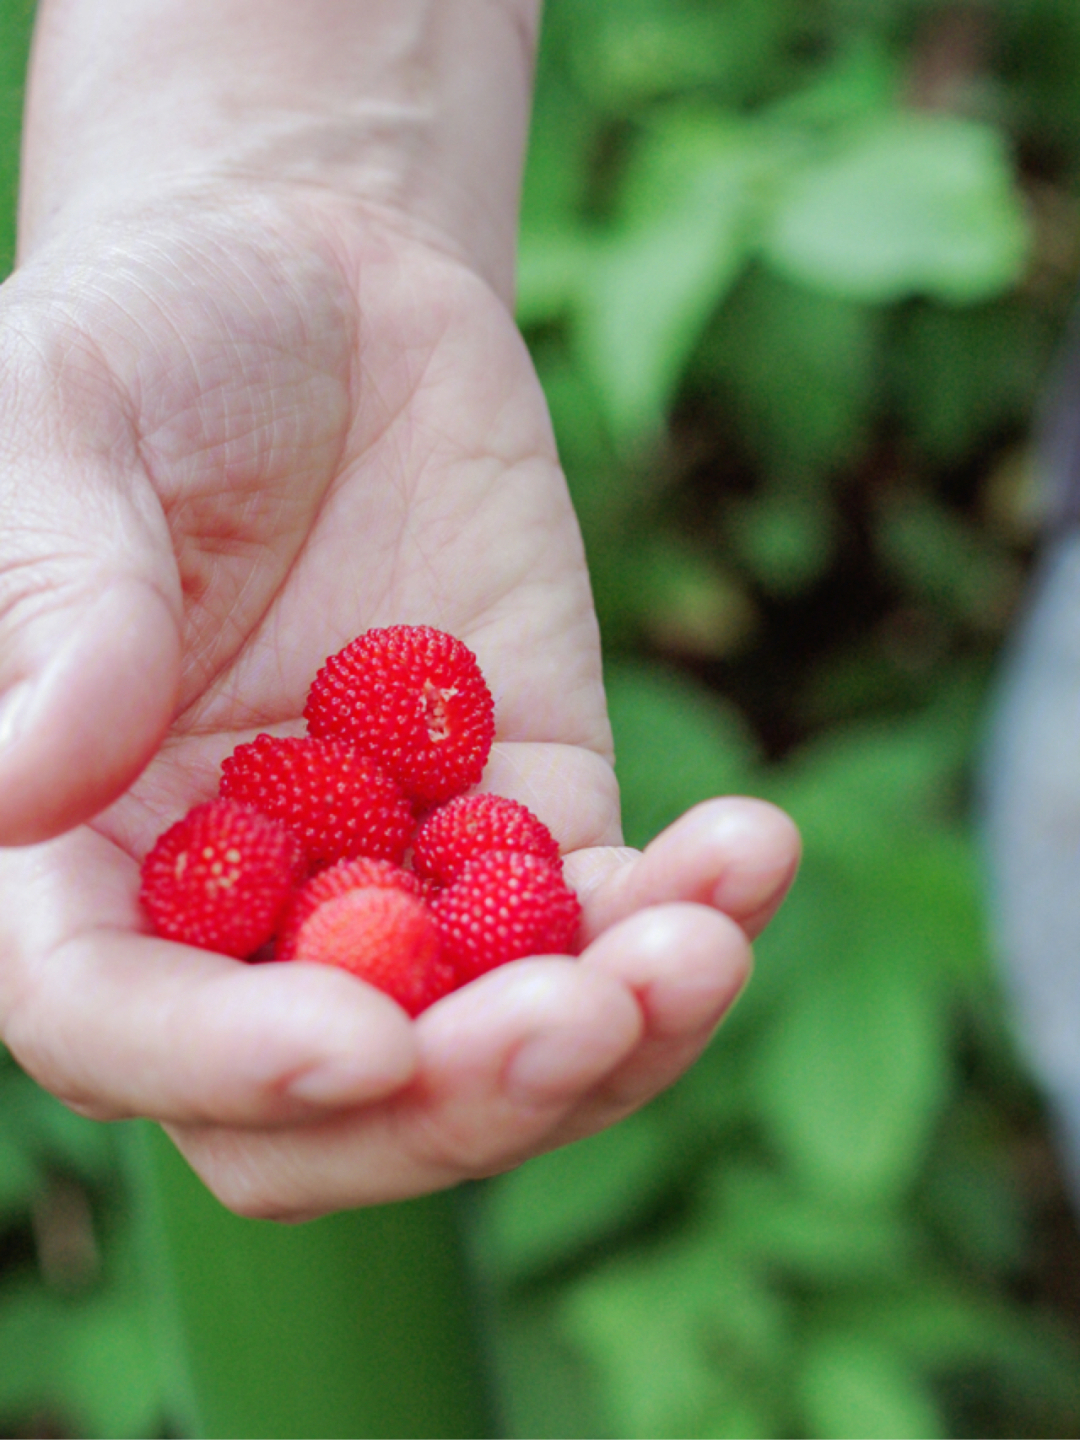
(329, 884)
(505, 905)
(220, 877)
(384, 936)
(414, 698)
(339, 802)
(473, 824)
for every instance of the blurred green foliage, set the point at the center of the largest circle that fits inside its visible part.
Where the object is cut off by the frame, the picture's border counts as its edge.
(792, 272)
(16, 17)
(77, 1351)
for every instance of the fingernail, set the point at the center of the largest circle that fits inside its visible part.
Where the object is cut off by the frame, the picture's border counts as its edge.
(370, 1072)
(548, 1067)
(13, 705)
(746, 890)
(329, 1085)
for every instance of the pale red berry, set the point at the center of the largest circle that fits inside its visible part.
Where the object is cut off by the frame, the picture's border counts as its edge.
(339, 880)
(383, 936)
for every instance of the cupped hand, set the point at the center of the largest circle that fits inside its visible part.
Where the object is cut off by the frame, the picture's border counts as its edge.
(236, 435)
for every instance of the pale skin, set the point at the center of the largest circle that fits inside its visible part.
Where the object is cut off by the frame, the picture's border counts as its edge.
(261, 389)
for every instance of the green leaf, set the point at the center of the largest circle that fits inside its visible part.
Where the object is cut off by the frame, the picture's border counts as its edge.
(29, 1331)
(858, 80)
(952, 564)
(562, 139)
(675, 745)
(942, 1325)
(16, 22)
(553, 265)
(852, 1076)
(545, 1385)
(960, 376)
(47, 1130)
(652, 1376)
(856, 790)
(786, 540)
(817, 1240)
(113, 1373)
(671, 1331)
(90, 1360)
(971, 1193)
(689, 201)
(552, 1207)
(802, 371)
(20, 1176)
(852, 1387)
(636, 51)
(914, 204)
(688, 603)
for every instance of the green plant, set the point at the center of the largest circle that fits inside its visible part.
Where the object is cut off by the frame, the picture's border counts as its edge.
(793, 276)
(793, 273)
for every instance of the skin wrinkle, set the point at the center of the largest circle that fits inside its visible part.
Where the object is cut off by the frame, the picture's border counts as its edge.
(44, 1047)
(369, 384)
(473, 422)
(408, 1137)
(211, 104)
(180, 523)
(79, 353)
(422, 1137)
(417, 384)
(514, 771)
(170, 253)
(397, 189)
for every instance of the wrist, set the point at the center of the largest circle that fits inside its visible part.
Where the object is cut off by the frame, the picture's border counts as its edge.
(417, 108)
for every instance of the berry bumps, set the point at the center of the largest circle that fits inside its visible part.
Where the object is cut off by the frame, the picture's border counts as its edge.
(220, 878)
(309, 841)
(337, 801)
(414, 699)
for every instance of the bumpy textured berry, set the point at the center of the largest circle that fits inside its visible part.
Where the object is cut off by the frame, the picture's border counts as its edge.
(415, 699)
(220, 878)
(384, 936)
(473, 824)
(340, 803)
(339, 880)
(505, 905)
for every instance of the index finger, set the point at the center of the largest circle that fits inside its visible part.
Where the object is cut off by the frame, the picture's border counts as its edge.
(119, 1023)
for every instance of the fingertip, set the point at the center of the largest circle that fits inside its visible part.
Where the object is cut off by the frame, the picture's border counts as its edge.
(541, 1029)
(762, 850)
(368, 1050)
(686, 964)
(737, 854)
(271, 1042)
(135, 1026)
(77, 730)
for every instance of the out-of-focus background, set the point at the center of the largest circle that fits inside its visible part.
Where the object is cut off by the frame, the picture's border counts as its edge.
(794, 273)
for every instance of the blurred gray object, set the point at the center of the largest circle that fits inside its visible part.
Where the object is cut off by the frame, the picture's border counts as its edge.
(1031, 788)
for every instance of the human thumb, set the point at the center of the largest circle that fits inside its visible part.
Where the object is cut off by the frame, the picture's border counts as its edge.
(89, 611)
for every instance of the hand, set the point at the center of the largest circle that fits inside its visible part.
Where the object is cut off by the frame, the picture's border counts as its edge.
(233, 442)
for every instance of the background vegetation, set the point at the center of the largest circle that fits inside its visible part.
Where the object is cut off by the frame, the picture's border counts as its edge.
(793, 272)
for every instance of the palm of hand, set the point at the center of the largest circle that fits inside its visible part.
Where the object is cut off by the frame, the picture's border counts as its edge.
(346, 439)
(316, 430)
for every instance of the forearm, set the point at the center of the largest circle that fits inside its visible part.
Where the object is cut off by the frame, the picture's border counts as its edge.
(419, 107)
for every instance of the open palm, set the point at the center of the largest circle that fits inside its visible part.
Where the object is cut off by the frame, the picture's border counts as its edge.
(250, 435)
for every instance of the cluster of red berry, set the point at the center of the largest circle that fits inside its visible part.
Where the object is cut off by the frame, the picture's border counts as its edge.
(306, 845)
